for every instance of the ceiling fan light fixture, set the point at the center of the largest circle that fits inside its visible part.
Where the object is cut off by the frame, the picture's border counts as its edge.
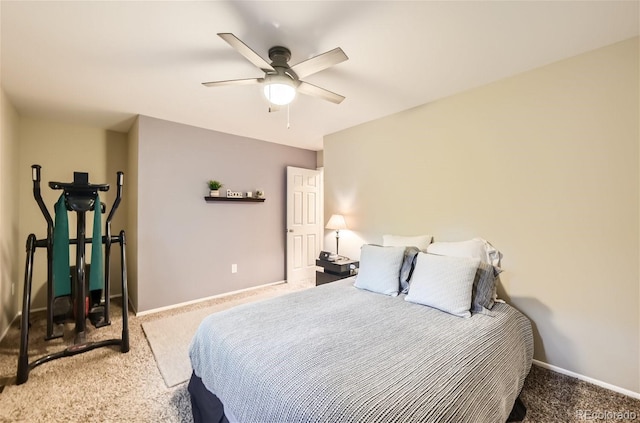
(279, 89)
(281, 82)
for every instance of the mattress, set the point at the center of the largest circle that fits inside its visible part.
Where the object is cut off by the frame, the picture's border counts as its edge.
(336, 353)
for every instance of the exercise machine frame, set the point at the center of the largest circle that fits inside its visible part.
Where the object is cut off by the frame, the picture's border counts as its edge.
(85, 192)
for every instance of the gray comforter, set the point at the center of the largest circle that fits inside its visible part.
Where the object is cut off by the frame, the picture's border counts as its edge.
(338, 354)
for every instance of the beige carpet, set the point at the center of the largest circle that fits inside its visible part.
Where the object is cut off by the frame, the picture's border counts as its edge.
(103, 385)
(170, 337)
(107, 386)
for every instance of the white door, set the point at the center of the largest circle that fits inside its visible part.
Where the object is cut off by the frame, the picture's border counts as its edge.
(304, 223)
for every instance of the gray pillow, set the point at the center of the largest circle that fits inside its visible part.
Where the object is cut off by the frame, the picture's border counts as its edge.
(484, 287)
(380, 269)
(445, 283)
(408, 264)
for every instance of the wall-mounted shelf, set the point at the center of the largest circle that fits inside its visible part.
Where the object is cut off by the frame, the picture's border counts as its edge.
(237, 200)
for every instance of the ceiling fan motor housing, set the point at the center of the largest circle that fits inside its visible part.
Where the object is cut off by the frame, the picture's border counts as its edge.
(279, 56)
(279, 75)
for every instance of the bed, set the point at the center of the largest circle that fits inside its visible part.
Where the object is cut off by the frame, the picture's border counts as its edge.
(337, 353)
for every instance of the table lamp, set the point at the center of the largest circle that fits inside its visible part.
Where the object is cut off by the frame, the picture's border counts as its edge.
(337, 222)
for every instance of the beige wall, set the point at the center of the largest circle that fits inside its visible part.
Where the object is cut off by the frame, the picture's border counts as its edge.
(545, 165)
(320, 158)
(10, 246)
(131, 197)
(62, 149)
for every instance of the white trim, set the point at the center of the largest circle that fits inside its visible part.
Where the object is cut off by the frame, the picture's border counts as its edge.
(129, 300)
(321, 200)
(588, 379)
(33, 310)
(199, 300)
(6, 330)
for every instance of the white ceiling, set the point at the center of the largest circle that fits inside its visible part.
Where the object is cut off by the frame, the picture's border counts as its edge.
(100, 63)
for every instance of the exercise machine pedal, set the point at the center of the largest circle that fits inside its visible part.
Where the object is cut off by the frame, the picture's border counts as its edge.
(62, 309)
(96, 316)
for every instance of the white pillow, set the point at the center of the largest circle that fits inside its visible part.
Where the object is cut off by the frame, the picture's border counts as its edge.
(380, 269)
(445, 283)
(475, 248)
(494, 257)
(421, 241)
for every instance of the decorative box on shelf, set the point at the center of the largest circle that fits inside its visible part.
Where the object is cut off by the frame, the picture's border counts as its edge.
(238, 196)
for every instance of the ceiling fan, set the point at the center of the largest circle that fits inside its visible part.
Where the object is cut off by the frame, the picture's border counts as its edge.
(281, 81)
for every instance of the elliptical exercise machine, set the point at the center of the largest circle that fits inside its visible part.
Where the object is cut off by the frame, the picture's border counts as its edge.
(67, 293)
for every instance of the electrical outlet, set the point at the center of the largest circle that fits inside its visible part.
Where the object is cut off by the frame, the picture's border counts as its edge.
(234, 268)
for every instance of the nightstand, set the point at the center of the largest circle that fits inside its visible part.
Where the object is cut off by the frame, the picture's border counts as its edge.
(330, 271)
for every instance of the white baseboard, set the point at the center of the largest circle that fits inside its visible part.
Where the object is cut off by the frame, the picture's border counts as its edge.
(199, 300)
(33, 311)
(588, 379)
(4, 333)
(131, 306)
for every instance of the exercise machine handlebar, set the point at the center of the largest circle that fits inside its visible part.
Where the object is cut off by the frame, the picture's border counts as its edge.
(35, 175)
(116, 203)
(88, 188)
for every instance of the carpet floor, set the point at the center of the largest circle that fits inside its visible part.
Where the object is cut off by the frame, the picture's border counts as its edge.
(105, 385)
(172, 352)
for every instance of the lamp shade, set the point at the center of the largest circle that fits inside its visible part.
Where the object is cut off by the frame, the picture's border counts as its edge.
(279, 89)
(336, 222)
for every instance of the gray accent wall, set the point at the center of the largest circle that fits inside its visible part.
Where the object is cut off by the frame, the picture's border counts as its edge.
(184, 246)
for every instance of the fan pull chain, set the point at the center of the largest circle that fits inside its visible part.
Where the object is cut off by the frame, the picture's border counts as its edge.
(288, 122)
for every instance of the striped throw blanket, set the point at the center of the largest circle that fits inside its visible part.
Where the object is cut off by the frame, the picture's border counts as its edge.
(338, 354)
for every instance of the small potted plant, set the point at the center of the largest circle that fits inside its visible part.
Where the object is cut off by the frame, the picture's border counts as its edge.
(214, 187)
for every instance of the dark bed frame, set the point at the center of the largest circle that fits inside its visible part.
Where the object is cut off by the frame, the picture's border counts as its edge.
(207, 408)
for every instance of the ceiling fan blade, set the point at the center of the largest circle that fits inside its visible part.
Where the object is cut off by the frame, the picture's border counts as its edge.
(246, 51)
(320, 62)
(248, 81)
(315, 91)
